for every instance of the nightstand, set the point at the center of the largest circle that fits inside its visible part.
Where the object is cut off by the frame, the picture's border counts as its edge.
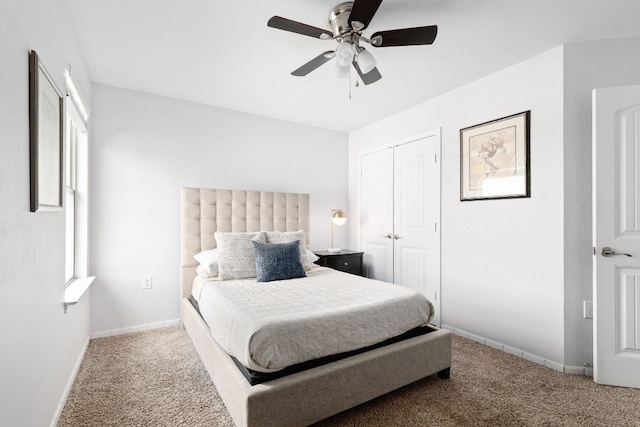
(345, 260)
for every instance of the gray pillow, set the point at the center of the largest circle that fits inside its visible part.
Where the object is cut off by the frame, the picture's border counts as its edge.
(235, 255)
(277, 261)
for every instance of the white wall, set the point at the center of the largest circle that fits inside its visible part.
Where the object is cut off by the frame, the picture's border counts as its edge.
(588, 65)
(146, 147)
(41, 345)
(502, 260)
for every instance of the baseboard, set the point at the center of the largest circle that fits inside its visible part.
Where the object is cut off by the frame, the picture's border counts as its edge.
(130, 329)
(574, 370)
(67, 389)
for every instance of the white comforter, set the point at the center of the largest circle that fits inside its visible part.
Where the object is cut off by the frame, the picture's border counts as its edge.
(269, 326)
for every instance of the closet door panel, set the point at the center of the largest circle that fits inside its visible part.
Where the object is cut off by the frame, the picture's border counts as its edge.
(413, 269)
(374, 258)
(417, 217)
(376, 214)
(411, 231)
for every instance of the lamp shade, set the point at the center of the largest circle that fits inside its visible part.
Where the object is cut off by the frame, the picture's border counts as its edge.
(366, 61)
(342, 72)
(338, 217)
(345, 53)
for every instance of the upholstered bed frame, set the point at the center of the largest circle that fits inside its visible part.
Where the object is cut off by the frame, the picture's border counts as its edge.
(309, 396)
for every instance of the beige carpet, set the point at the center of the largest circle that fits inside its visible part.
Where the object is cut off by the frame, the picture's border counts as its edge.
(155, 378)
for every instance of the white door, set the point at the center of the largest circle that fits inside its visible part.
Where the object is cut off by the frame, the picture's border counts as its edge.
(376, 214)
(400, 215)
(416, 218)
(616, 202)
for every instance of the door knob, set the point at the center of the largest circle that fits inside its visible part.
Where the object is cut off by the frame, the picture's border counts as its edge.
(607, 252)
(388, 236)
(395, 236)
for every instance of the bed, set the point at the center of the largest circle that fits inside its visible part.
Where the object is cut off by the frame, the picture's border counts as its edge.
(308, 394)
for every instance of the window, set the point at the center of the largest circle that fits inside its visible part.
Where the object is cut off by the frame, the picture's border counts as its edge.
(76, 203)
(70, 200)
(76, 187)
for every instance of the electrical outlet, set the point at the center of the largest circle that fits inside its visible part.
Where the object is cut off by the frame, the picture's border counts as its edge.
(587, 309)
(147, 282)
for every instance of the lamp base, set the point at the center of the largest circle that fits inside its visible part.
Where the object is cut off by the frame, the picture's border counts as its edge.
(334, 250)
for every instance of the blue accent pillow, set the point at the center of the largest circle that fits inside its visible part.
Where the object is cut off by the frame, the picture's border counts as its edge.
(277, 261)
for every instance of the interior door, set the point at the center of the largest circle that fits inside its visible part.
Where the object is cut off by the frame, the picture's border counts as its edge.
(616, 202)
(376, 214)
(416, 218)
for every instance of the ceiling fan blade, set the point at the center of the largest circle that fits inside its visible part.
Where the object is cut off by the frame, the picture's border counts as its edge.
(371, 77)
(298, 27)
(314, 63)
(362, 12)
(405, 36)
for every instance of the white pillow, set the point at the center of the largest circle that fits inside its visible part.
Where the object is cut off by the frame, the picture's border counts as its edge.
(208, 260)
(235, 254)
(312, 257)
(290, 236)
(203, 272)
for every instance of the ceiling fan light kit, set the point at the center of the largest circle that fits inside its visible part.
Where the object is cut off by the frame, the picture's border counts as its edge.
(347, 21)
(366, 61)
(341, 71)
(345, 53)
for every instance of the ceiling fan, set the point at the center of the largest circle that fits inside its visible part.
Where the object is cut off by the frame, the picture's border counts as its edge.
(347, 22)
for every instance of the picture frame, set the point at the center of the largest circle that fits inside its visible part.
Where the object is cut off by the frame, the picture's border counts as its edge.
(46, 133)
(494, 159)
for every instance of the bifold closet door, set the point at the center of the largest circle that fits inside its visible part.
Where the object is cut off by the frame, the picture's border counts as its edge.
(400, 216)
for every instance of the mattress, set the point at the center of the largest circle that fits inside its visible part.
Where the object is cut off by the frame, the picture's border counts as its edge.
(270, 326)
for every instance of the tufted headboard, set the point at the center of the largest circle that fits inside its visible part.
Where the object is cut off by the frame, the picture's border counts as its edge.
(207, 210)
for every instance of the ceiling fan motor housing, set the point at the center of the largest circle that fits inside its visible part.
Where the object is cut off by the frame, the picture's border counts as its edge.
(339, 19)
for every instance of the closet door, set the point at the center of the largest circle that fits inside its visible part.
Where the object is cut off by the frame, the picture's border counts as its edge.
(400, 216)
(416, 218)
(376, 214)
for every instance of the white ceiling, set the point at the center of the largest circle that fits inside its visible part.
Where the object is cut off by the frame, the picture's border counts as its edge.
(222, 53)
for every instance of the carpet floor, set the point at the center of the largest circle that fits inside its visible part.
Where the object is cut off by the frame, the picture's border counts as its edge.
(155, 378)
